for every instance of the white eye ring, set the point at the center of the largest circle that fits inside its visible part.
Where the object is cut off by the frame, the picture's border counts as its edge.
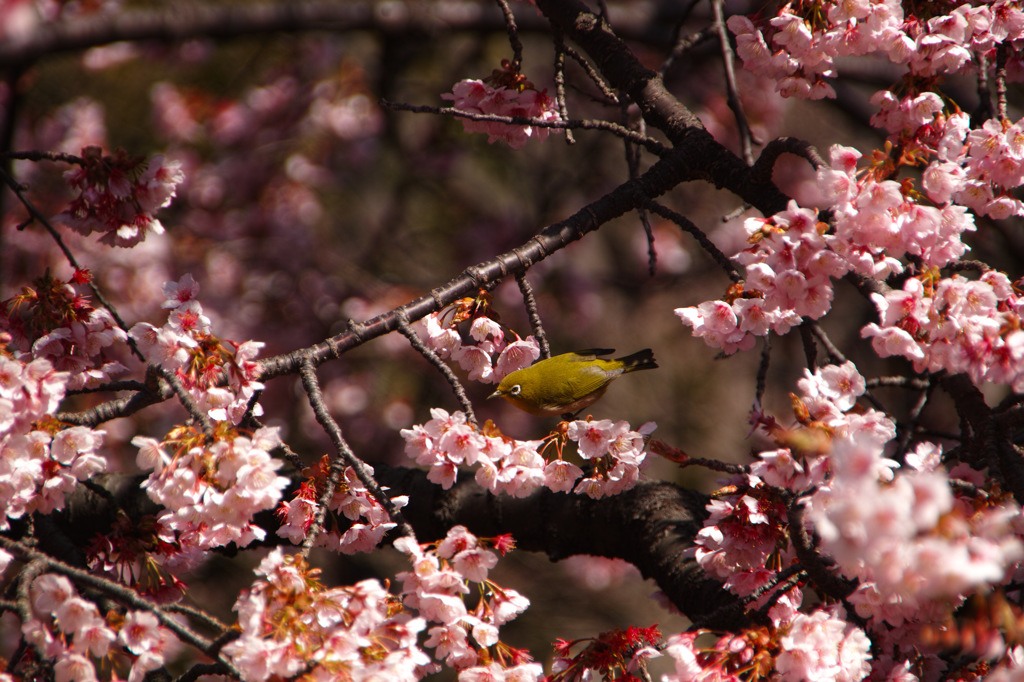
(515, 390)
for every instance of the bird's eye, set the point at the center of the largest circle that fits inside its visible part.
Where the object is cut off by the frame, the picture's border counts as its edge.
(515, 390)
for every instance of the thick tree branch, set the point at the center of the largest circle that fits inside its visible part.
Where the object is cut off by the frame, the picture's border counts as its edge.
(702, 157)
(652, 526)
(189, 21)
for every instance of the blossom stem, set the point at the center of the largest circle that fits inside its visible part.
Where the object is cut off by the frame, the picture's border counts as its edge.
(307, 372)
(531, 309)
(406, 330)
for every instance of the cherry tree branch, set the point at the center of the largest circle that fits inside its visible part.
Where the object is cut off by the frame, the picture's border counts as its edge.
(347, 457)
(406, 330)
(530, 302)
(732, 89)
(651, 525)
(648, 143)
(657, 180)
(182, 23)
(121, 593)
(55, 235)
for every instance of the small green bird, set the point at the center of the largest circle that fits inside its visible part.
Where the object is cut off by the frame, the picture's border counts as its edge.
(568, 383)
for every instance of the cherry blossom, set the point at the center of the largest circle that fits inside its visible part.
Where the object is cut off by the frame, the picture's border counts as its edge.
(186, 346)
(484, 352)
(464, 638)
(822, 646)
(517, 467)
(41, 462)
(118, 195)
(292, 623)
(370, 521)
(210, 491)
(506, 93)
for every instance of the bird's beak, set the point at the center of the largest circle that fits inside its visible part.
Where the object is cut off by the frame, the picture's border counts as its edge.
(496, 394)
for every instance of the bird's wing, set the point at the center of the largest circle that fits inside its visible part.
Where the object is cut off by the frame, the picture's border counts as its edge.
(585, 382)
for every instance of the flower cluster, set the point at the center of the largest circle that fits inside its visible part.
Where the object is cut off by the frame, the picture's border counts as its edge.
(292, 624)
(119, 194)
(466, 639)
(505, 93)
(71, 631)
(486, 353)
(799, 51)
(818, 646)
(135, 551)
(793, 259)
(955, 325)
(52, 320)
(518, 467)
(211, 489)
(976, 168)
(203, 362)
(914, 546)
(616, 654)
(40, 460)
(370, 521)
(789, 272)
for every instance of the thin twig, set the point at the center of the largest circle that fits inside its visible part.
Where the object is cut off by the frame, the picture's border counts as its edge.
(837, 357)
(761, 171)
(307, 372)
(563, 109)
(56, 157)
(785, 580)
(110, 387)
(119, 592)
(513, 35)
(909, 431)
(983, 111)
(287, 453)
(762, 373)
(186, 400)
(681, 44)
(687, 225)
(648, 143)
(593, 74)
(633, 165)
(44, 221)
(807, 340)
(898, 382)
(732, 89)
(203, 617)
(683, 459)
(1001, 55)
(531, 309)
(406, 330)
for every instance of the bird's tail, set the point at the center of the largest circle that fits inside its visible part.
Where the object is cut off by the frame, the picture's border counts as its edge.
(642, 359)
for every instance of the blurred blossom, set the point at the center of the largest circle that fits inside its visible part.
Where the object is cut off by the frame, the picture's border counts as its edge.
(350, 117)
(107, 56)
(599, 573)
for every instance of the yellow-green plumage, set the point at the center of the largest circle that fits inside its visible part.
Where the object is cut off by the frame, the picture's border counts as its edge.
(570, 382)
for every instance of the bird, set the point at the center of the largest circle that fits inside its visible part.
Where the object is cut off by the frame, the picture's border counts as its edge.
(568, 383)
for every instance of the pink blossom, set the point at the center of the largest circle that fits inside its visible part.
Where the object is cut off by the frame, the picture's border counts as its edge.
(74, 667)
(516, 355)
(822, 646)
(560, 476)
(479, 97)
(593, 437)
